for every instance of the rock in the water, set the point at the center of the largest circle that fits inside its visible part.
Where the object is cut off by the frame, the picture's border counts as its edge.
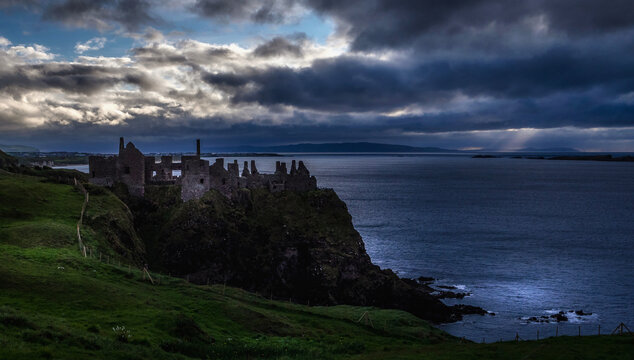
(559, 317)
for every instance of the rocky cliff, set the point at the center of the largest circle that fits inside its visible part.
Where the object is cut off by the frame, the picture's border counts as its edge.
(290, 245)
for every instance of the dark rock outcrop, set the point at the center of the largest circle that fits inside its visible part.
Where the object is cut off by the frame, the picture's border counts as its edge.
(289, 245)
(561, 316)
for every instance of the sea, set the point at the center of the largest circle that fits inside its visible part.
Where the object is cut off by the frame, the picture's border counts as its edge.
(523, 237)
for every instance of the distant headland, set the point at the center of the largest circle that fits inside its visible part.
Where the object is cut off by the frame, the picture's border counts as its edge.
(345, 147)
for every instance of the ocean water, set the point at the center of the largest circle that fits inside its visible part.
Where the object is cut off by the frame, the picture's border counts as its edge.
(523, 237)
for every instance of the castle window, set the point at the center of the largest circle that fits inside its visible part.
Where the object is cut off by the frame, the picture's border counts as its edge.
(224, 181)
(202, 181)
(93, 174)
(126, 170)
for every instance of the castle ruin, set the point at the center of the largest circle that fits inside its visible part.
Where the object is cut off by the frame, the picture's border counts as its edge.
(135, 170)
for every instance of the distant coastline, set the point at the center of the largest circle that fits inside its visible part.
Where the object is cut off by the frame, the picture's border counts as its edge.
(607, 157)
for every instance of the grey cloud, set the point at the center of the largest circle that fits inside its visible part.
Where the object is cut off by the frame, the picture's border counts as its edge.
(71, 78)
(279, 46)
(99, 13)
(153, 56)
(267, 11)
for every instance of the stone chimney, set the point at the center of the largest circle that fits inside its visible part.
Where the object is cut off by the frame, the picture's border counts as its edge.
(293, 168)
(198, 147)
(245, 171)
(121, 144)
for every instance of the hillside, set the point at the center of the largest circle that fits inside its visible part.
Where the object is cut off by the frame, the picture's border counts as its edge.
(357, 147)
(8, 162)
(18, 148)
(57, 304)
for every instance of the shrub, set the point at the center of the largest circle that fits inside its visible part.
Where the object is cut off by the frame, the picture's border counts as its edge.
(122, 334)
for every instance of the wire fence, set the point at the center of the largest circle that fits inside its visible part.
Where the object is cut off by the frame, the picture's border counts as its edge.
(90, 252)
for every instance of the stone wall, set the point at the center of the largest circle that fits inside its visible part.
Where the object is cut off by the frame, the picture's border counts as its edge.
(195, 179)
(102, 170)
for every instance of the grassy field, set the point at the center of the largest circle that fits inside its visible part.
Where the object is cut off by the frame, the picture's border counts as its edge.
(56, 304)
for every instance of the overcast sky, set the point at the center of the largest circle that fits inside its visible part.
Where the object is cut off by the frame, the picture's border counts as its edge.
(464, 74)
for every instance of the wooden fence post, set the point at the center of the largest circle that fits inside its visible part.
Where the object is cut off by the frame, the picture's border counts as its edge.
(148, 275)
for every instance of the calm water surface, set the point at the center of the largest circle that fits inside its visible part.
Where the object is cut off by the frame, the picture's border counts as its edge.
(524, 237)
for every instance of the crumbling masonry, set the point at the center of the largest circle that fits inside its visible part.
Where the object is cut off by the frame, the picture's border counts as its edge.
(136, 170)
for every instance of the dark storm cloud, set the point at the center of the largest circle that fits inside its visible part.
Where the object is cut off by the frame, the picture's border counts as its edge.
(398, 23)
(94, 13)
(401, 23)
(280, 46)
(517, 114)
(267, 11)
(354, 84)
(331, 85)
(71, 78)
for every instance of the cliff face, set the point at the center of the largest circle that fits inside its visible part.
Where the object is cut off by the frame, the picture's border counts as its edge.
(290, 245)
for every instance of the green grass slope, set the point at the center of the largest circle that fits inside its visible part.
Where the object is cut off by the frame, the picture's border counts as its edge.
(34, 212)
(57, 304)
(37, 212)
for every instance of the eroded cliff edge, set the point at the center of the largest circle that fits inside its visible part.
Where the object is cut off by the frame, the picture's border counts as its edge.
(289, 245)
